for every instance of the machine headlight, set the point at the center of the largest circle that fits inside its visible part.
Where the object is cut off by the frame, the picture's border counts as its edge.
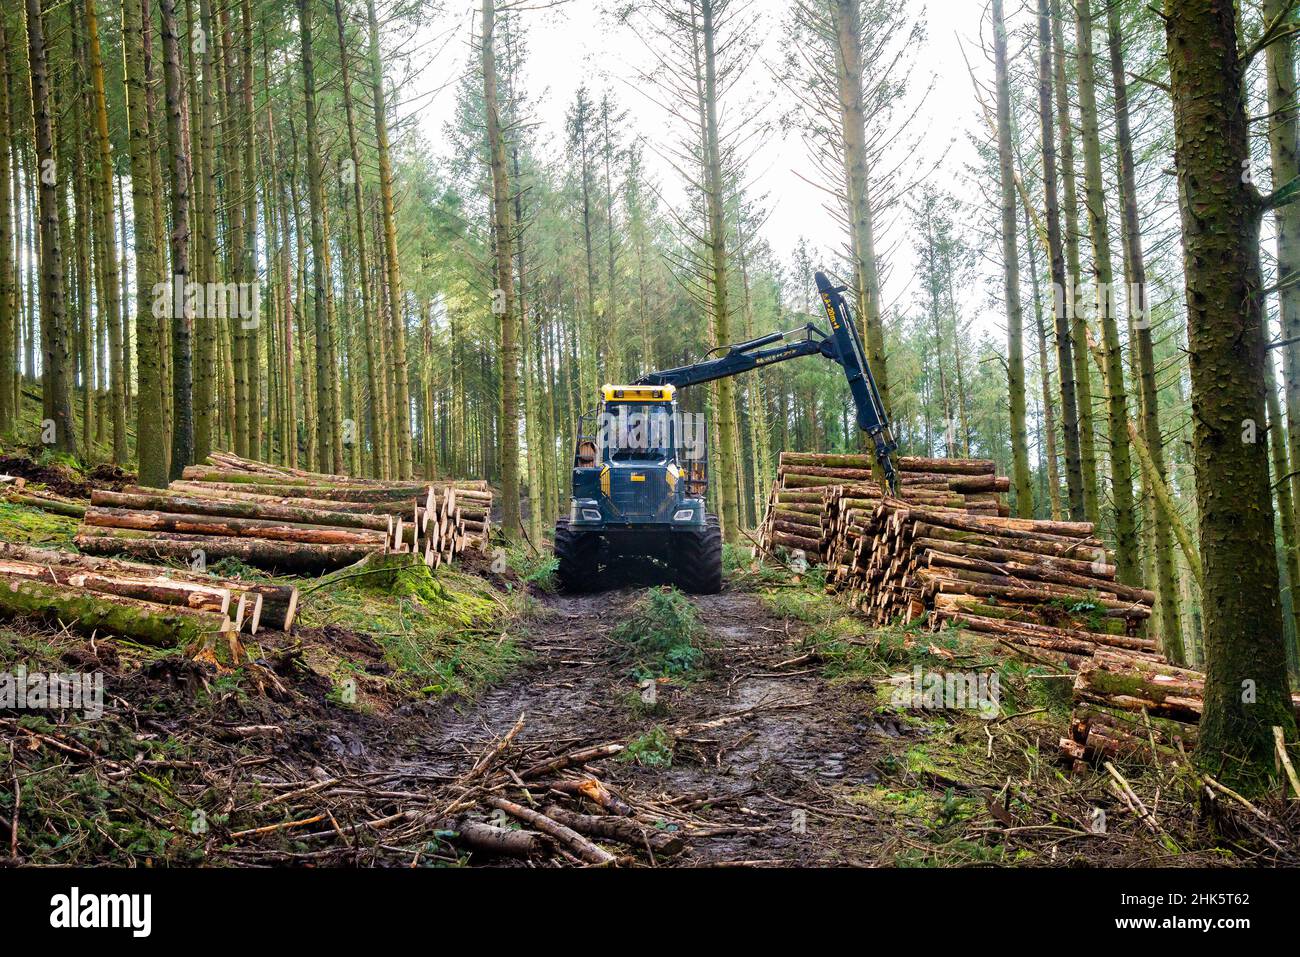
(683, 515)
(591, 515)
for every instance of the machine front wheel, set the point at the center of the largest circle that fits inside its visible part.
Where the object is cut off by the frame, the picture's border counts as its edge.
(576, 553)
(697, 558)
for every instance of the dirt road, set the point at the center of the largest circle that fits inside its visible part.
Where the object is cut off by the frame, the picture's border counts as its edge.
(764, 749)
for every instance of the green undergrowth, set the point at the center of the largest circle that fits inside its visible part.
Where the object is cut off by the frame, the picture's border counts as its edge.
(34, 526)
(25, 437)
(442, 632)
(534, 568)
(662, 636)
(653, 749)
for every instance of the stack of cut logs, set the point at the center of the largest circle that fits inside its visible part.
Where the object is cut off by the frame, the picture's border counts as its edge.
(153, 606)
(818, 496)
(1125, 705)
(945, 547)
(1045, 587)
(286, 519)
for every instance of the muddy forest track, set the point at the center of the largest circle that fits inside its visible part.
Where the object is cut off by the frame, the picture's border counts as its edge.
(765, 748)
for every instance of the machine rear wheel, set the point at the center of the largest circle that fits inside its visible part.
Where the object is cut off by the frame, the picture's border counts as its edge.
(577, 556)
(697, 558)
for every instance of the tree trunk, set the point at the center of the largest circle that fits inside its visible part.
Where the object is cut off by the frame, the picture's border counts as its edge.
(1140, 335)
(1020, 479)
(1245, 683)
(846, 17)
(56, 388)
(1073, 277)
(1283, 129)
(182, 319)
(401, 415)
(726, 468)
(110, 305)
(8, 350)
(1056, 251)
(1121, 466)
(505, 292)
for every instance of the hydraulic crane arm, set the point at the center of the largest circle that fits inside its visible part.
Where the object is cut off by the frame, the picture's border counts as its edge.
(842, 346)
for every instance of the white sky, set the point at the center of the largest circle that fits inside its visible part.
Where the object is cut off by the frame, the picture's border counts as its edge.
(578, 43)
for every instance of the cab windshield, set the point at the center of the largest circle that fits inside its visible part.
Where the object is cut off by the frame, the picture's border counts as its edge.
(636, 432)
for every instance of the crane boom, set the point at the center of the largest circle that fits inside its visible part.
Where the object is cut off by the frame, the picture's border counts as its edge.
(842, 346)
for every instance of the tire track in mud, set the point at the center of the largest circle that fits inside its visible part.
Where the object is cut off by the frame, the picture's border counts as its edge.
(766, 749)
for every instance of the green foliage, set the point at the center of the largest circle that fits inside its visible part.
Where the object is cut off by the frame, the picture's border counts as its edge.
(534, 569)
(654, 749)
(440, 631)
(662, 636)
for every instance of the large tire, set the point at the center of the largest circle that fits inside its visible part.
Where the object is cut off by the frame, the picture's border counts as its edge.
(577, 553)
(697, 558)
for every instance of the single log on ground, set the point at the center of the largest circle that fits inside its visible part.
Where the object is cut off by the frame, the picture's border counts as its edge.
(951, 581)
(998, 555)
(1098, 619)
(1038, 571)
(199, 490)
(55, 506)
(1074, 548)
(622, 829)
(1079, 641)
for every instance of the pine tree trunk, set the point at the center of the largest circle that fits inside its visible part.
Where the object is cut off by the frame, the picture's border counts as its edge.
(1056, 250)
(401, 411)
(1171, 639)
(846, 18)
(1051, 467)
(8, 350)
(1246, 691)
(315, 203)
(1283, 129)
(150, 441)
(205, 326)
(726, 471)
(1021, 481)
(1121, 466)
(54, 319)
(505, 292)
(1073, 277)
(111, 305)
(182, 321)
(373, 416)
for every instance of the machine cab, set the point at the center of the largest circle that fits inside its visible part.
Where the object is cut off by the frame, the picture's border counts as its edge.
(640, 460)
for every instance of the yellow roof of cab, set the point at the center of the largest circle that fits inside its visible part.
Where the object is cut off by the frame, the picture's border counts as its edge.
(639, 393)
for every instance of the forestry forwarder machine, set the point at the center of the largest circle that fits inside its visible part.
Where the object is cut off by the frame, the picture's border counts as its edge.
(639, 492)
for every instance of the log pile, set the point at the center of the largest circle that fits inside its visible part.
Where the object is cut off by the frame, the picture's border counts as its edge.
(140, 602)
(946, 550)
(1126, 705)
(1046, 588)
(818, 498)
(286, 519)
